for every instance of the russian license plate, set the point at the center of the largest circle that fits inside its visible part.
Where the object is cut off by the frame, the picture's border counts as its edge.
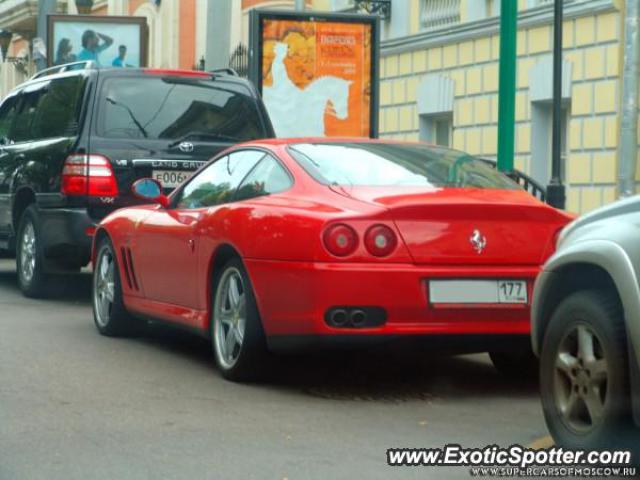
(478, 291)
(171, 178)
(512, 291)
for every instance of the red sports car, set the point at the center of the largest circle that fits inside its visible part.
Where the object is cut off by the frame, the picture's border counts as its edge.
(283, 244)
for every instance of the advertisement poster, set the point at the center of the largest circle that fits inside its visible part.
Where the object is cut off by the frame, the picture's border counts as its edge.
(317, 75)
(107, 41)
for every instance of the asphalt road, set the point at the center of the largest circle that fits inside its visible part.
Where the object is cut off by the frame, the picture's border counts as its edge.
(75, 405)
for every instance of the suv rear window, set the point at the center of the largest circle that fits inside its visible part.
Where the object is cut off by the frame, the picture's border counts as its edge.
(160, 108)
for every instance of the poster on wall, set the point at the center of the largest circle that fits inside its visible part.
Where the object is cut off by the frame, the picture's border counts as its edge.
(317, 73)
(109, 41)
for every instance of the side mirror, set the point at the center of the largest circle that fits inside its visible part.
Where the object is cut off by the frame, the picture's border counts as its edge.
(150, 190)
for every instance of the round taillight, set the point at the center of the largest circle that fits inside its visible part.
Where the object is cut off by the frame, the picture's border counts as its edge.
(341, 240)
(380, 240)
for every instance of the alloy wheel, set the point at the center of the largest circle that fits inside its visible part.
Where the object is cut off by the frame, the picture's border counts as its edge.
(104, 287)
(28, 252)
(230, 317)
(580, 379)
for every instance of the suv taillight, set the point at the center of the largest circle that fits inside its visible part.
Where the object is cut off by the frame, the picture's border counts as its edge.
(88, 175)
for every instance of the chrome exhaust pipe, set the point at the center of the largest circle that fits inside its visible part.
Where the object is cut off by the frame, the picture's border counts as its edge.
(358, 318)
(338, 317)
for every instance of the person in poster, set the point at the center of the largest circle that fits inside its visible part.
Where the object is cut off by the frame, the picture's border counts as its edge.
(64, 52)
(91, 46)
(119, 60)
(316, 78)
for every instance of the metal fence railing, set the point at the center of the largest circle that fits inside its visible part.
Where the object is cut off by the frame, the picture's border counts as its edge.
(525, 181)
(529, 184)
(440, 13)
(239, 60)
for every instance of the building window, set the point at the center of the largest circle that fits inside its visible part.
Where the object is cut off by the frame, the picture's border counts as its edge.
(493, 8)
(443, 130)
(435, 109)
(489, 6)
(341, 5)
(481, 9)
(439, 13)
(541, 107)
(541, 137)
(436, 129)
(538, 3)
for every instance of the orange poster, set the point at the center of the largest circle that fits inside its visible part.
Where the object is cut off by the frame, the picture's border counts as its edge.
(316, 77)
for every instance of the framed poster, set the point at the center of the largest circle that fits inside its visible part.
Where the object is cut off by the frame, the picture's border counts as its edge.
(317, 73)
(109, 41)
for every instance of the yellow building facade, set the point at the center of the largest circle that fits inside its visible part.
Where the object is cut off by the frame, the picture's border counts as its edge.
(458, 60)
(439, 76)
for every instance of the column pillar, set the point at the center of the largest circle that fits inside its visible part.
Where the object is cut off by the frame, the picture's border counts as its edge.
(218, 45)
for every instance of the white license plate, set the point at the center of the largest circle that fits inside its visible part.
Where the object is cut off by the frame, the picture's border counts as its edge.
(478, 291)
(171, 178)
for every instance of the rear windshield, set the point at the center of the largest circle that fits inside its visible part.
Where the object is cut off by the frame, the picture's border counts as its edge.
(390, 164)
(160, 108)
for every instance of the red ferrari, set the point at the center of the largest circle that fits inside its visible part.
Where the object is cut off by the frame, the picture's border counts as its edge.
(285, 244)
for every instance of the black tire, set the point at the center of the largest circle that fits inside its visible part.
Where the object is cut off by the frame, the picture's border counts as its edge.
(516, 365)
(251, 355)
(600, 315)
(113, 321)
(31, 279)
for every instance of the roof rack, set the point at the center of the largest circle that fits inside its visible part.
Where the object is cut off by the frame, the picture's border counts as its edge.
(84, 65)
(227, 71)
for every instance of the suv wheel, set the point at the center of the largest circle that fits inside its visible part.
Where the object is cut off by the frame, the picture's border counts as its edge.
(583, 372)
(30, 256)
(238, 338)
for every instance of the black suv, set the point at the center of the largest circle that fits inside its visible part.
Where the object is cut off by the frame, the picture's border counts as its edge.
(74, 138)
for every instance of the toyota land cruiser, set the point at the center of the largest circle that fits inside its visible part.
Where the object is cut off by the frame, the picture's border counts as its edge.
(74, 138)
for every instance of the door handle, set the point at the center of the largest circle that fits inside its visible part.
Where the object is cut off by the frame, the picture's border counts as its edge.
(192, 244)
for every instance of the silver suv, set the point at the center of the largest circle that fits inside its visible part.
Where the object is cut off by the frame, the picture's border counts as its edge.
(586, 330)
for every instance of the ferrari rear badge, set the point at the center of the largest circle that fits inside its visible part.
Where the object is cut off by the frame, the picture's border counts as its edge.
(478, 241)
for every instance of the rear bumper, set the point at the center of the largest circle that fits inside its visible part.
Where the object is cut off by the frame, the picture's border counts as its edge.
(64, 234)
(293, 298)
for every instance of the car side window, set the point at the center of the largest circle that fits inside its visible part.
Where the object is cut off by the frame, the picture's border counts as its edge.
(58, 108)
(218, 183)
(266, 178)
(7, 116)
(49, 109)
(27, 108)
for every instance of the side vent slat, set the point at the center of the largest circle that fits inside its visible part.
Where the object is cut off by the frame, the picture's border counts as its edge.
(125, 264)
(132, 270)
